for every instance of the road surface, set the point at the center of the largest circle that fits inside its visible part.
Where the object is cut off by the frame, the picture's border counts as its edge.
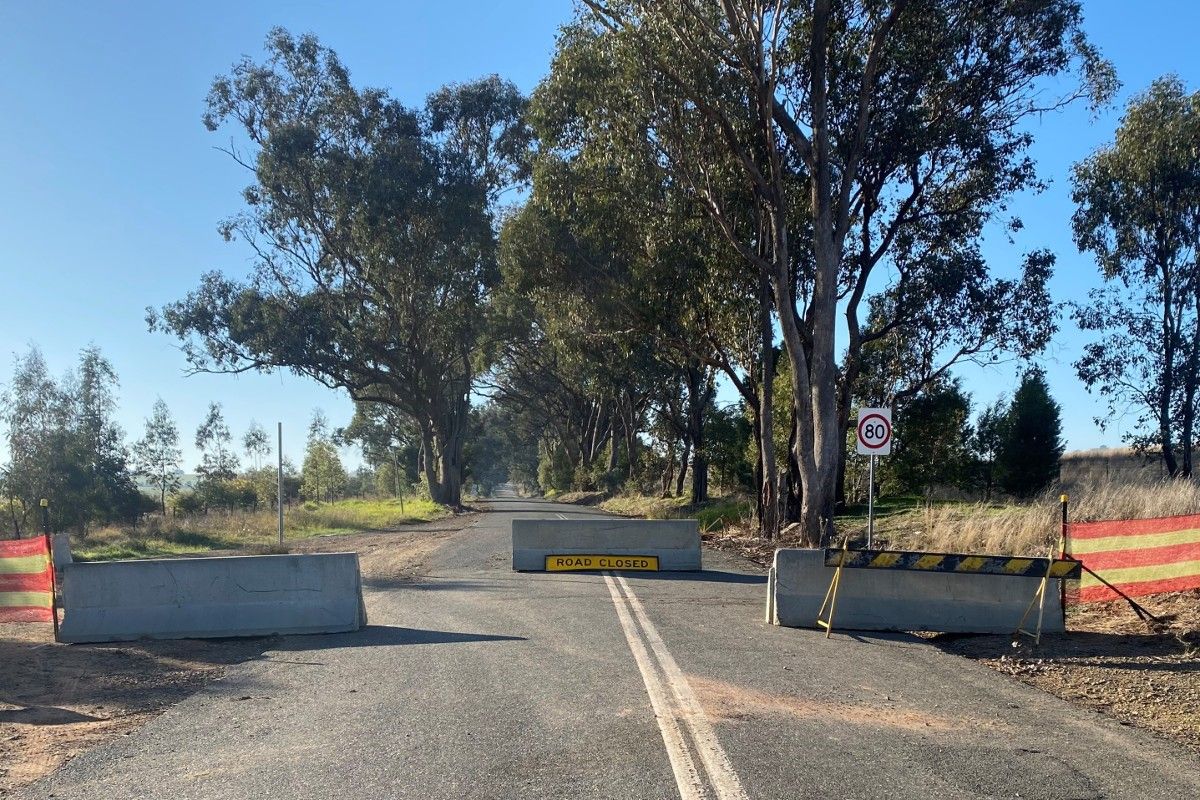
(476, 682)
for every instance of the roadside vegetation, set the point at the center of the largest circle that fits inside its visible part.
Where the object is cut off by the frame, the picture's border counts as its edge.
(661, 312)
(910, 522)
(249, 531)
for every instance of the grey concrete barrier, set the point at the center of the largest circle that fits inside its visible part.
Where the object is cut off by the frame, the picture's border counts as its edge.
(902, 600)
(62, 551)
(674, 542)
(185, 598)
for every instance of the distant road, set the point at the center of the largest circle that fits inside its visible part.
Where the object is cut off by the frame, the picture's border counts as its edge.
(476, 682)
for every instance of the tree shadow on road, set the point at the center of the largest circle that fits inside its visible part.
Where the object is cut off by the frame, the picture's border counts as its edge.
(705, 575)
(387, 636)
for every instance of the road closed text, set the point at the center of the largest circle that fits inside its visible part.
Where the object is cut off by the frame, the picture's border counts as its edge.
(579, 562)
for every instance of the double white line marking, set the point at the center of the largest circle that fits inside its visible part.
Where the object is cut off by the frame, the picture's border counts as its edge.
(675, 705)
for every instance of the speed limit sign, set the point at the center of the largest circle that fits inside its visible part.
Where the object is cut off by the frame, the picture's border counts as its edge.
(875, 431)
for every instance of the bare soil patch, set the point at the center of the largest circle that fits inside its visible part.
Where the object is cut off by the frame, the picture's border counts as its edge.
(391, 555)
(57, 700)
(728, 702)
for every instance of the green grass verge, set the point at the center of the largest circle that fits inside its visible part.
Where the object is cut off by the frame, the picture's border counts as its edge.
(249, 531)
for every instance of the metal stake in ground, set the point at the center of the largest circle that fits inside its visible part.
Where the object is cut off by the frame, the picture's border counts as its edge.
(279, 477)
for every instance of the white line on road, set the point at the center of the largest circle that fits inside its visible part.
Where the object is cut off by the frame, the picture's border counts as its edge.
(687, 776)
(561, 516)
(716, 762)
(680, 705)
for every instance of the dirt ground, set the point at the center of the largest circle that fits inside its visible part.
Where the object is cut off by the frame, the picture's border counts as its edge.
(57, 700)
(1144, 674)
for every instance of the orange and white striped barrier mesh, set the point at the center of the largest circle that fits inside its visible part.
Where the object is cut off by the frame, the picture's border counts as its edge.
(1140, 557)
(26, 581)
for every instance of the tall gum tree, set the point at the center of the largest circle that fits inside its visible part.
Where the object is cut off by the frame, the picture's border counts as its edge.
(623, 232)
(870, 134)
(1138, 212)
(372, 227)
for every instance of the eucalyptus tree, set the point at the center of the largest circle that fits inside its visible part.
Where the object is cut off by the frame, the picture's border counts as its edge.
(157, 454)
(562, 347)
(372, 229)
(256, 444)
(218, 461)
(875, 140)
(616, 233)
(390, 444)
(65, 446)
(36, 416)
(322, 474)
(1139, 213)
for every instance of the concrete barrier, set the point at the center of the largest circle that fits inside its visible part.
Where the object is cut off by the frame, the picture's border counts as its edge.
(62, 551)
(186, 598)
(675, 542)
(901, 600)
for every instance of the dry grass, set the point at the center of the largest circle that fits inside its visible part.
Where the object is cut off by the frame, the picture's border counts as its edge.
(1030, 529)
(250, 531)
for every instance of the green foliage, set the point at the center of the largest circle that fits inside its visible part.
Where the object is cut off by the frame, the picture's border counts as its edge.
(931, 443)
(218, 462)
(730, 449)
(157, 455)
(1139, 214)
(500, 448)
(64, 446)
(373, 223)
(256, 444)
(324, 477)
(187, 502)
(390, 443)
(1030, 446)
(840, 147)
(986, 442)
(554, 468)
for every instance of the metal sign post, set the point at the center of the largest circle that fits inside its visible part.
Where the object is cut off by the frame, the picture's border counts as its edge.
(871, 502)
(279, 478)
(874, 434)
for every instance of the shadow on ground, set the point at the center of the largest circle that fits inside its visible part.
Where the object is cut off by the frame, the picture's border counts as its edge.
(386, 636)
(704, 576)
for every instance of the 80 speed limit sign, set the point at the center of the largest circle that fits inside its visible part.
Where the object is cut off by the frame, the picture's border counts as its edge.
(875, 431)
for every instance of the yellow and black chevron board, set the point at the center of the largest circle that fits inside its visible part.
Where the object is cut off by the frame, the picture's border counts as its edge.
(952, 562)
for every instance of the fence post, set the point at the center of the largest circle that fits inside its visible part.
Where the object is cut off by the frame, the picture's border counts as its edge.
(50, 554)
(1062, 584)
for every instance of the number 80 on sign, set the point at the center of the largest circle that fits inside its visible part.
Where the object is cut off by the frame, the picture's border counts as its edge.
(874, 431)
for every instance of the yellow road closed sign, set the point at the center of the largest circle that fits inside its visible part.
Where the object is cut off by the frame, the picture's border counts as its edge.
(576, 562)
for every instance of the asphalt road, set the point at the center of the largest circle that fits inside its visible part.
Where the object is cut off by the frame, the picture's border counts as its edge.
(476, 682)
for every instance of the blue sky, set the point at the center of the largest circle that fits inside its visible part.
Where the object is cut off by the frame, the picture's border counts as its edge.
(111, 189)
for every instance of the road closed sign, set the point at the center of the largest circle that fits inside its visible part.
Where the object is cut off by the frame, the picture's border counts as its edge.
(573, 562)
(874, 431)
